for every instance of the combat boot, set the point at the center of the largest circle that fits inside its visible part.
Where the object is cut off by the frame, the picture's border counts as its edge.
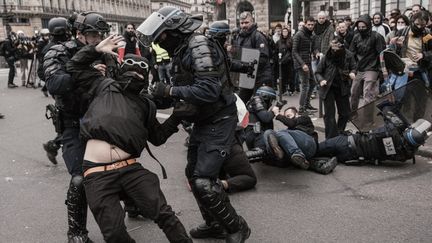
(51, 149)
(323, 165)
(240, 236)
(79, 239)
(274, 145)
(214, 230)
(300, 161)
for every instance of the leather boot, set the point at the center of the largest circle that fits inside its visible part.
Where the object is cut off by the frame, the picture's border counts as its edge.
(240, 236)
(323, 165)
(214, 230)
(76, 203)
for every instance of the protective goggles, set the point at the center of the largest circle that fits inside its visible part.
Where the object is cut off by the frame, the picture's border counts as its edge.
(131, 62)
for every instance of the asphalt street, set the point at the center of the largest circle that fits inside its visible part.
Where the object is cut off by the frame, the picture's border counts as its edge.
(389, 202)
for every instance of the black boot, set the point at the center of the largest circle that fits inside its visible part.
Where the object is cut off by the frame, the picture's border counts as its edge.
(76, 203)
(242, 235)
(274, 145)
(214, 230)
(257, 154)
(51, 149)
(211, 195)
(323, 165)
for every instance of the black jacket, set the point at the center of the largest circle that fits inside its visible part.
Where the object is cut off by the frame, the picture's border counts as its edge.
(256, 40)
(302, 48)
(126, 132)
(329, 67)
(284, 46)
(366, 49)
(302, 123)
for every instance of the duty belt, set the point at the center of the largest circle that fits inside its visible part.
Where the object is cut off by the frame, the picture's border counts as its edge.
(113, 166)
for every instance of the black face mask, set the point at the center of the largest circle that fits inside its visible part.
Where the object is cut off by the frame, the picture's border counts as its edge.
(416, 30)
(363, 32)
(132, 83)
(170, 43)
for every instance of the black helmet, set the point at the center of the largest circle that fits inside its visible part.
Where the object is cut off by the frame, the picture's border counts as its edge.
(267, 93)
(219, 29)
(58, 26)
(167, 18)
(91, 22)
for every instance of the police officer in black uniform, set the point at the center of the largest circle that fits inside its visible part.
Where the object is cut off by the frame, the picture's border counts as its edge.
(200, 80)
(90, 27)
(60, 32)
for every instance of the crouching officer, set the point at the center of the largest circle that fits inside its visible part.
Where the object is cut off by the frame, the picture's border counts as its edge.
(90, 30)
(200, 80)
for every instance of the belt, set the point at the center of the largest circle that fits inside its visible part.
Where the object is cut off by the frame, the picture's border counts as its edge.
(113, 166)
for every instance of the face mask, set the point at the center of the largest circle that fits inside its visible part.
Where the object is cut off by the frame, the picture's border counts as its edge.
(400, 27)
(416, 30)
(170, 43)
(363, 32)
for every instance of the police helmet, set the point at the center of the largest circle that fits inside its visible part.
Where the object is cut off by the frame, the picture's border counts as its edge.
(267, 93)
(167, 18)
(91, 22)
(417, 134)
(58, 26)
(219, 29)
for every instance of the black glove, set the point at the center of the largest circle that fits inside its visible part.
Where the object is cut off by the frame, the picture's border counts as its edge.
(250, 67)
(185, 111)
(160, 90)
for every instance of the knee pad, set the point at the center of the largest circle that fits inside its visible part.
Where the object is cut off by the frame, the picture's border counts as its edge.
(77, 181)
(206, 188)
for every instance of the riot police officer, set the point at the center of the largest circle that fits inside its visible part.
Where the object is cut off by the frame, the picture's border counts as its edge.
(59, 30)
(91, 28)
(200, 80)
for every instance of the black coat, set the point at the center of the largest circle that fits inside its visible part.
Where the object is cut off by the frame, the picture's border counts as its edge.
(302, 48)
(328, 68)
(367, 48)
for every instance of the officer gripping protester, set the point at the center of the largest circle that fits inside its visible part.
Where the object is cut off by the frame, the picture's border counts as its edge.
(200, 79)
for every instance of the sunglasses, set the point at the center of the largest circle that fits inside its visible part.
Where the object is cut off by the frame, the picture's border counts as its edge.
(131, 62)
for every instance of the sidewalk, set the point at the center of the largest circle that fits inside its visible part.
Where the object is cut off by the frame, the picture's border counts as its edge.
(425, 150)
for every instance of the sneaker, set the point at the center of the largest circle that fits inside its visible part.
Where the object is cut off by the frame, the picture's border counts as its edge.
(12, 85)
(300, 161)
(310, 107)
(214, 230)
(51, 150)
(323, 165)
(275, 148)
(1, 116)
(240, 236)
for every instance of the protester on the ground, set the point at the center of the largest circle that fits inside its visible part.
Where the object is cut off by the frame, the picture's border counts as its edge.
(334, 74)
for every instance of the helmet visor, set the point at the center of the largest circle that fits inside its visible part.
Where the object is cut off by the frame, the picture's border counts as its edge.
(150, 29)
(154, 25)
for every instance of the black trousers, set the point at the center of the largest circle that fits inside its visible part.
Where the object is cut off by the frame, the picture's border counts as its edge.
(105, 189)
(73, 150)
(338, 146)
(237, 170)
(11, 63)
(334, 96)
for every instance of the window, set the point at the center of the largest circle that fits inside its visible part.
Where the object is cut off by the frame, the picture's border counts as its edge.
(344, 5)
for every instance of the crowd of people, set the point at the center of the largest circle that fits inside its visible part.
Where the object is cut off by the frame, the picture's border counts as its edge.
(108, 88)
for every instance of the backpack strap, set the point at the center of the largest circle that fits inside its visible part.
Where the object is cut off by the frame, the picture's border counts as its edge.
(164, 174)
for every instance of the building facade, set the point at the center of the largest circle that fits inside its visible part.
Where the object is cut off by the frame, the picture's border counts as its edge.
(32, 15)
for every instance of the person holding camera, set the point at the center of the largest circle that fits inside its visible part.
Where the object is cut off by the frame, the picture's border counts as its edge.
(334, 74)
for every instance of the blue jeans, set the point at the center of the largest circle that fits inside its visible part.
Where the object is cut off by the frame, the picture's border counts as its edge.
(164, 72)
(294, 142)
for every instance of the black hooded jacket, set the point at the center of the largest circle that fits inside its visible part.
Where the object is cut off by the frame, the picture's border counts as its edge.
(366, 48)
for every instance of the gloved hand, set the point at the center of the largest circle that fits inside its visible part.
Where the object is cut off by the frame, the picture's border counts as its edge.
(251, 69)
(160, 90)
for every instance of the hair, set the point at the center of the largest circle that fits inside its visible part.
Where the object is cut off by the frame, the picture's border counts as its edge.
(129, 23)
(423, 15)
(418, 5)
(278, 25)
(291, 108)
(347, 18)
(405, 19)
(309, 19)
(246, 14)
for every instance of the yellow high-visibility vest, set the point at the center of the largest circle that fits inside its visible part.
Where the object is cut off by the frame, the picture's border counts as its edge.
(161, 54)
